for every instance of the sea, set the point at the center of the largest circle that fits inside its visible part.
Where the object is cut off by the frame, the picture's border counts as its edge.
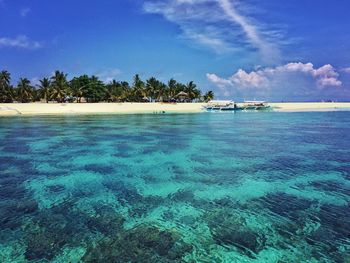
(203, 187)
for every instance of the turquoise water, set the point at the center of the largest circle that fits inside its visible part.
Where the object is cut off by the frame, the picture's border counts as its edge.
(209, 187)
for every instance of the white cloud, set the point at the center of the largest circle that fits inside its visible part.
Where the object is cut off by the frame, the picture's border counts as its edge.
(264, 80)
(219, 25)
(109, 74)
(220, 82)
(252, 79)
(266, 49)
(214, 42)
(346, 70)
(20, 41)
(24, 11)
(328, 82)
(35, 81)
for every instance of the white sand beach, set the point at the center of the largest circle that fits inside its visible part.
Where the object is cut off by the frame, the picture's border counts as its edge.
(310, 106)
(11, 109)
(96, 108)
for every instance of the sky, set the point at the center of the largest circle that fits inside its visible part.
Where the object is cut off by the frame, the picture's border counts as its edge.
(296, 50)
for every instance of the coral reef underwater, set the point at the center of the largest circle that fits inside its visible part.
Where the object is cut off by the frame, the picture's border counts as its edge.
(272, 187)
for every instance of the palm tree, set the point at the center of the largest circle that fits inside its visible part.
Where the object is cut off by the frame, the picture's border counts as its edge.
(152, 87)
(95, 91)
(161, 91)
(59, 86)
(24, 90)
(115, 91)
(45, 89)
(78, 86)
(139, 91)
(126, 91)
(111, 89)
(5, 88)
(208, 96)
(172, 88)
(192, 91)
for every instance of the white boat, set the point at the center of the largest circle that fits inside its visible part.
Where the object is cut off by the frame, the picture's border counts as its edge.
(255, 105)
(221, 105)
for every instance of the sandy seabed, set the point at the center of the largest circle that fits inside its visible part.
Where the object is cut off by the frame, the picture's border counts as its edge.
(155, 108)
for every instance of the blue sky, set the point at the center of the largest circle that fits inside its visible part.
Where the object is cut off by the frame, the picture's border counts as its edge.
(272, 49)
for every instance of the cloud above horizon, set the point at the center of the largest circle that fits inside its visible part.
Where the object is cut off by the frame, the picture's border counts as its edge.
(24, 11)
(21, 41)
(290, 79)
(346, 70)
(221, 25)
(109, 75)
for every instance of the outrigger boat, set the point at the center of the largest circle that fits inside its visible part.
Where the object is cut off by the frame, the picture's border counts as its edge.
(255, 105)
(229, 105)
(222, 105)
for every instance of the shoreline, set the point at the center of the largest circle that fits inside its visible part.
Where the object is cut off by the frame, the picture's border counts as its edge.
(20, 109)
(309, 106)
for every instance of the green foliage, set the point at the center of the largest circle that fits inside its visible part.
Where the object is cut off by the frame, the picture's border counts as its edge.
(172, 88)
(192, 91)
(78, 86)
(45, 89)
(58, 88)
(24, 90)
(117, 91)
(208, 96)
(6, 94)
(95, 91)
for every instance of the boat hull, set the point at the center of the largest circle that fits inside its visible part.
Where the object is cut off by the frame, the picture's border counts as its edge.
(223, 108)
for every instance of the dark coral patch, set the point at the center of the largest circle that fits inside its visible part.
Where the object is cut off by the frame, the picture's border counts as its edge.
(182, 195)
(128, 195)
(336, 219)
(55, 188)
(13, 212)
(43, 244)
(331, 186)
(12, 191)
(99, 168)
(229, 229)
(286, 205)
(106, 221)
(141, 244)
(51, 229)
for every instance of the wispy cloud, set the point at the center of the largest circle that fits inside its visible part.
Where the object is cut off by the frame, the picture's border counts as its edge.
(24, 11)
(291, 77)
(109, 74)
(220, 25)
(267, 49)
(35, 81)
(20, 41)
(346, 70)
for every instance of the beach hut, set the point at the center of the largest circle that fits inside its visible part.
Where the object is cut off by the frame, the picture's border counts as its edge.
(182, 96)
(145, 99)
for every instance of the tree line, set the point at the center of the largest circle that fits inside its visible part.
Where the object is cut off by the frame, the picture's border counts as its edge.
(91, 89)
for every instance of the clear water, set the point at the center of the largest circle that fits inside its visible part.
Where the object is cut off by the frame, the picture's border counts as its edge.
(209, 187)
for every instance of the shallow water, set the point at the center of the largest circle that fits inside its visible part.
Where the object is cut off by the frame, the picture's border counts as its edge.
(209, 187)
